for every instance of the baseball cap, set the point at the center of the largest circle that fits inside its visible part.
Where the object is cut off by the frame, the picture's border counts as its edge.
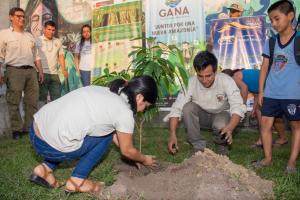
(236, 6)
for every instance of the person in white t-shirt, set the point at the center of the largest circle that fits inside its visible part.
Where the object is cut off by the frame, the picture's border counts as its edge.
(83, 55)
(60, 132)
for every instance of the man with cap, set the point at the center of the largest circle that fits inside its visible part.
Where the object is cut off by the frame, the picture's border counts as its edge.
(235, 10)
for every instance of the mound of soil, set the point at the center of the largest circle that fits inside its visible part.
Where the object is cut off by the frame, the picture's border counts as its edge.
(203, 176)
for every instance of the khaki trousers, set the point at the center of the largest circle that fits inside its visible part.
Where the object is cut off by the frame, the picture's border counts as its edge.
(19, 80)
(195, 117)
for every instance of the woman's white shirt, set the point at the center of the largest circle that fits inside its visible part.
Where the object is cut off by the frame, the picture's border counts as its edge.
(92, 110)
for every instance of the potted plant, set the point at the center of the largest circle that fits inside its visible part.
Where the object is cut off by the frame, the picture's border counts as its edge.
(154, 61)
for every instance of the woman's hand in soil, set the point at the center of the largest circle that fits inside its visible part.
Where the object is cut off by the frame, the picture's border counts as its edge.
(149, 161)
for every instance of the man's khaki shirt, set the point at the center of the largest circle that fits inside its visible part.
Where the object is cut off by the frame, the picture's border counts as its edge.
(48, 52)
(223, 95)
(17, 48)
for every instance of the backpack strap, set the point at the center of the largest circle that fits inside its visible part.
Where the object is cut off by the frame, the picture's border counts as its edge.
(297, 47)
(272, 41)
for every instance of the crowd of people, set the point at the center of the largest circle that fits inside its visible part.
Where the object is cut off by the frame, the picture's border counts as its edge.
(212, 100)
(32, 67)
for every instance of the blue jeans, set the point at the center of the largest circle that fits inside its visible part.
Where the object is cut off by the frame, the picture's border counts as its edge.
(89, 154)
(85, 77)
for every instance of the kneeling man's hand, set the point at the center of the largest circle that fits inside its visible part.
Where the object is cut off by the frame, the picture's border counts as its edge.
(227, 132)
(172, 145)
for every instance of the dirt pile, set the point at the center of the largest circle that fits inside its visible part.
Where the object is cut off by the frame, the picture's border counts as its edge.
(203, 176)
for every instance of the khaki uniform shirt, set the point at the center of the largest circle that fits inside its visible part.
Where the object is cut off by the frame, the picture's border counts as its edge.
(17, 48)
(222, 95)
(48, 52)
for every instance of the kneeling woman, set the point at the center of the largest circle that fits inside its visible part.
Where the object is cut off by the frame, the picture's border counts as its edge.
(82, 125)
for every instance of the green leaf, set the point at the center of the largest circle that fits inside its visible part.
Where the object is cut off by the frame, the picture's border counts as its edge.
(183, 74)
(106, 71)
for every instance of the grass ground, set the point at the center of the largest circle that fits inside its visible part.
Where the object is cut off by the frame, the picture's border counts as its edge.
(17, 159)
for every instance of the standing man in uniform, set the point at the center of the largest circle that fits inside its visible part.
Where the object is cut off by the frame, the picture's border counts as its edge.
(18, 53)
(51, 53)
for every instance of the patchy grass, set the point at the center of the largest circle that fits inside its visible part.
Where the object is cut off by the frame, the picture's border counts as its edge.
(18, 159)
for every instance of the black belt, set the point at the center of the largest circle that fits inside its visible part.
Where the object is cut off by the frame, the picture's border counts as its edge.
(21, 67)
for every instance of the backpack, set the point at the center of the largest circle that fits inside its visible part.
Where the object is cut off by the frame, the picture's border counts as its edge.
(296, 46)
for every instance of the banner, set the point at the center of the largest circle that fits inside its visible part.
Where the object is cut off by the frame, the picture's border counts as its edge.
(114, 24)
(238, 42)
(217, 9)
(178, 22)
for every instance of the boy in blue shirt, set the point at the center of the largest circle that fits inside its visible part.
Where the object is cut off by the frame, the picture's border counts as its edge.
(279, 86)
(247, 81)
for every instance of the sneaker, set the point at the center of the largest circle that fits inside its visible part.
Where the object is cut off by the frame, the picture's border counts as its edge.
(195, 151)
(222, 150)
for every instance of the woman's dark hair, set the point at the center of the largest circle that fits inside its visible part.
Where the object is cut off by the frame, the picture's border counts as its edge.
(203, 59)
(230, 72)
(144, 85)
(82, 39)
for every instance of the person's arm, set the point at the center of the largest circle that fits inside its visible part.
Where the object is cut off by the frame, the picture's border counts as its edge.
(262, 78)
(77, 56)
(76, 61)
(243, 88)
(38, 65)
(237, 108)
(1, 75)
(176, 112)
(61, 60)
(228, 129)
(128, 150)
(255, 106)
(2, 57)
(172, 144)
(115, 140)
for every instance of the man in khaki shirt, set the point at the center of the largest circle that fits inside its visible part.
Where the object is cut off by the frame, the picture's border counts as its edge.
(51, 53)
(212, 100)
(18, 53)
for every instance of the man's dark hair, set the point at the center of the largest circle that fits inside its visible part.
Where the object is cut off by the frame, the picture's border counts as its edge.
(283, 6)
(13, 11)
(50, 23)
(203, 59)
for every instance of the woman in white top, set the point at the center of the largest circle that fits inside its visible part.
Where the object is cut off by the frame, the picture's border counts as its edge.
(60, 132)
(83, 55)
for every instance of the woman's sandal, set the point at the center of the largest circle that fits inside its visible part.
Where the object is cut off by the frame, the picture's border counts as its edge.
(42, 180)
(78, 187)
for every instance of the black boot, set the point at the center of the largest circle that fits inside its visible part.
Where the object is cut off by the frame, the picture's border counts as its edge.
(16, 135)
